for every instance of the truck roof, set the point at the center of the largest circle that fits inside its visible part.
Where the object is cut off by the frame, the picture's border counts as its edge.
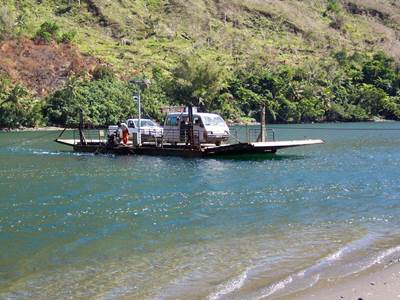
(195, 114)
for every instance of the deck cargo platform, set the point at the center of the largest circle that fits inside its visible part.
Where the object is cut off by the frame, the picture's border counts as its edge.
(205, 150)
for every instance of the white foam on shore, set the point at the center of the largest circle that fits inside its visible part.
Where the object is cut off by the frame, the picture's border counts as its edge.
(318, 268)
(385, 254)
(378, 259)
(272, 289)
(313, 272)
(230, 286)
(339, 254)
(238, 282)
(117, 292)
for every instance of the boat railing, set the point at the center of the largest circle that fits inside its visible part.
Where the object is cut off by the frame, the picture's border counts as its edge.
(99, 136)
(151, 136)
(91, 136)
(249, 134)
(176, 136)
(238, 134)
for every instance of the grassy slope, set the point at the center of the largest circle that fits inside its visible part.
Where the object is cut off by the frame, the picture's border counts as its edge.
(135, 35)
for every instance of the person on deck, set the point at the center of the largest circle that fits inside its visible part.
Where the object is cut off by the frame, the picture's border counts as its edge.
(125, 133)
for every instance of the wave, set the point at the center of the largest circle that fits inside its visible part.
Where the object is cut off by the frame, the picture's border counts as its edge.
(339, 254)
(66, 153)
(18, 150)
(231, 286)
(21, 150)
(337, 261)
(385, 254)
(272, 289)
(375, 260)
(317, 271)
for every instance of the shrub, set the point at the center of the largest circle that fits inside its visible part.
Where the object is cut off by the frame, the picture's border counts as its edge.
(6, 22)
(67, 37)
(346, 113)
(103, 73)
(371, 99)
(337, 22)
(333, 6)
(47, 32)
(391, 108)
(341, 57)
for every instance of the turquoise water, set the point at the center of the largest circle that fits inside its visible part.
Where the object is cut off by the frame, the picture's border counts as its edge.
(105, 227)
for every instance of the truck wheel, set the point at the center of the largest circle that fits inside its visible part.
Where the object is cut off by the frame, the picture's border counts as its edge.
(218, 143)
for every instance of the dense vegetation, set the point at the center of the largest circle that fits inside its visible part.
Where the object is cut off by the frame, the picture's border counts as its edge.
(104, 100)
(352, 88)
(331, 61)
(17, 108)
(355, 88)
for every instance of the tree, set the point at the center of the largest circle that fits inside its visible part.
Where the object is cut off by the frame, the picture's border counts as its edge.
(197, 81)
(155, 96)
(379, 71)
(18, 108)
(104, 101)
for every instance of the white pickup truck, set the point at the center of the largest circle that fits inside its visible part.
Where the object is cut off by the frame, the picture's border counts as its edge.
(208, 128)
(148, 128)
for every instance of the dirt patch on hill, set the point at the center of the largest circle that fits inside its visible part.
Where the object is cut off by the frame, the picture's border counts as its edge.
(42, 68)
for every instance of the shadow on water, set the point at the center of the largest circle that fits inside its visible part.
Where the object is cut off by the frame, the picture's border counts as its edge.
(22, 150)
(261, 157)
(237, 157)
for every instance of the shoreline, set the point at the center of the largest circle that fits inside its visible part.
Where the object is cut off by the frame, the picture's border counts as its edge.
(379, 283)
(55, 128)
(32, 129)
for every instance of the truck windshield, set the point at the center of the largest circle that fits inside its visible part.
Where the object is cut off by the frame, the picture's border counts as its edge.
(145, 123)
(213, 120)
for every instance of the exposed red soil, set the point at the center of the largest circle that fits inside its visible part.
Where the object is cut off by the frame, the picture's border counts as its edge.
(42, 68)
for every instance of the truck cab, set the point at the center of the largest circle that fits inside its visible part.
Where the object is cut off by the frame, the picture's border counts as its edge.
(150, 130)
(147, 127)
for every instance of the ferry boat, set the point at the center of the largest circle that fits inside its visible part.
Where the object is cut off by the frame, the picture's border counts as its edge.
(188, 134)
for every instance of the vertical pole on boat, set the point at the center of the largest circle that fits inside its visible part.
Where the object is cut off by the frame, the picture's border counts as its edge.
(140, 83)
(139, 136)
(263, 126)
(81, 135)
(191, 131)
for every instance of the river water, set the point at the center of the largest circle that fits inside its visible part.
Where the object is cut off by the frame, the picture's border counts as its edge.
(106, 227)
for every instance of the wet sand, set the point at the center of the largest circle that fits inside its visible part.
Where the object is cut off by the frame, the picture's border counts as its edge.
(375, 285)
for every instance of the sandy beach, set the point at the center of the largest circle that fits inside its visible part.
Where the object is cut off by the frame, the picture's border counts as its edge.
(379, 284)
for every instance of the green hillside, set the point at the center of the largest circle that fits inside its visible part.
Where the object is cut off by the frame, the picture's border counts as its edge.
(135, 35)
(307, 60)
